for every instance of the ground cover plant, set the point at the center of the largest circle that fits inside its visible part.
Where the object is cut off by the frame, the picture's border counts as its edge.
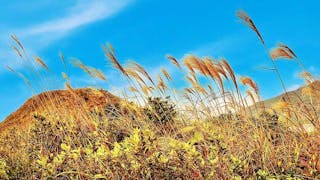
(217, 127)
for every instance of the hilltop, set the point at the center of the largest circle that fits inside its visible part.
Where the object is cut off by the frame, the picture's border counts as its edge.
(62, 102)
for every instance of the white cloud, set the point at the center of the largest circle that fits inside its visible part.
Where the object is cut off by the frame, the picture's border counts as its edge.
(219, 47)
(83, 13)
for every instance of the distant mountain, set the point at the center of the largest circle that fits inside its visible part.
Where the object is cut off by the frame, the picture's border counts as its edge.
(60, 102)
(294, 96)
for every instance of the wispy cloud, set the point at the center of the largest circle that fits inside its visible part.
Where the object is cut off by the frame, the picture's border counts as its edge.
(219, 47)
(83, 13)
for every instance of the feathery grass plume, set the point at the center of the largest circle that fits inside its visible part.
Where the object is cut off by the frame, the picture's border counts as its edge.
(192, 80)
(68, 87)
(196, 85)
(307, 77)
(147, 90)
(280, 52)
(41, 62)
(247, 81)
(98, 74)
(213, 72)
(143, 89)
(230, 71)
(133, 74)
(291, 52)
(110, 54)
(201, 89)
(174, 61)
(193, 62)
(63, 60)
(189, 61)
(189, 90)
(15, 38)
(284, 46)
(26, 80)
(65, 76)
(250, 94)
(193, 75)
(17, 51)
(161, 84)
(221, 70)
(249, 22)
(166, 74)
(111, 48)
(189, 67)
(93, 72)
(133, 89)
(204, 69)
(11, 69)
(78, 63)
(141, 70)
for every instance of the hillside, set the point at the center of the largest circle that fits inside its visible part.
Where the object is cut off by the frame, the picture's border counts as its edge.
(62, 102)
(66, 102)
(294, 95)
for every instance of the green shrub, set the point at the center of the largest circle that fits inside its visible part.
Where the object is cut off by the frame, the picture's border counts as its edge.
(160, 110)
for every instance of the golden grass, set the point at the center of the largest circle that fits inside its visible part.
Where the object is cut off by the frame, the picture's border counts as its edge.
(41, 62)
(249, 22)
(205, 130)
(280, 52)
(174, 61)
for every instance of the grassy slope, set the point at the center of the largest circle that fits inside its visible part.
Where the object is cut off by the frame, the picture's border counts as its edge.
(97, 99)
(58, 101)
(293, 95)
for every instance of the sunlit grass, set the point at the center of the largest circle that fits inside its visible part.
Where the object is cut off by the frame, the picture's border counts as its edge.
(213, 129)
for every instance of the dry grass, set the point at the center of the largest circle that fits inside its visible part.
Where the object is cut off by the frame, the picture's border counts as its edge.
(206, 130)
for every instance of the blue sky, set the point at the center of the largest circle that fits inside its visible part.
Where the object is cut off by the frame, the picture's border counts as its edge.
(147, 30)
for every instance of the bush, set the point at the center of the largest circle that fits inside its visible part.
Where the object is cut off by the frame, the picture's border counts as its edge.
(160, 110)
